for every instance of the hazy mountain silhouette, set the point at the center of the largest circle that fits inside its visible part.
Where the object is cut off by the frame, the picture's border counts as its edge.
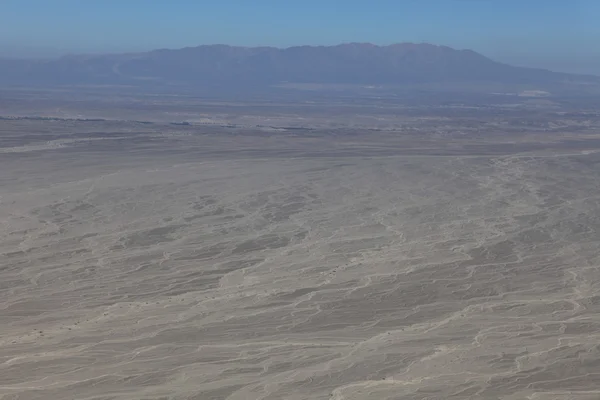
(353, 63)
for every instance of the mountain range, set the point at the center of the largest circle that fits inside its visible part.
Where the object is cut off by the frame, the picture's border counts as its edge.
(214, 65)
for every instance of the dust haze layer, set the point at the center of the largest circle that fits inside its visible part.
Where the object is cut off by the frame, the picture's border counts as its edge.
(434, 257)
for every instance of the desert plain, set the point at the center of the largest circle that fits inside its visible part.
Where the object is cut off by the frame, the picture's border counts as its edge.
(431, 258)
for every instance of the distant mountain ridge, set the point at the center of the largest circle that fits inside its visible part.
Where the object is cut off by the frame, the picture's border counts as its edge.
(209, 65)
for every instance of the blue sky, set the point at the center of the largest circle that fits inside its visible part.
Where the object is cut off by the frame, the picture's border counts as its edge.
(557, 34)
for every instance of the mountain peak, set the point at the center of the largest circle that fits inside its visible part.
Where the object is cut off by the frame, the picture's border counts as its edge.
(220, 64)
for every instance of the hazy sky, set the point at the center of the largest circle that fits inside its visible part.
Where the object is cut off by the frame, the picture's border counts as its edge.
(561, 35)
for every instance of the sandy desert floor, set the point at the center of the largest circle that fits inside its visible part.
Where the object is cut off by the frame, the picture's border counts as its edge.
(151, 271)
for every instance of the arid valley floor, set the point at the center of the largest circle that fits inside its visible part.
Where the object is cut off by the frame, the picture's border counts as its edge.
(417, 261)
